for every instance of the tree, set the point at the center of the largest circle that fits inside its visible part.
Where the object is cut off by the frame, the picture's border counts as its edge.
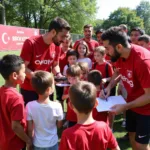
(143, 11)
(2, 12)
(38, 13)
(98, 24)
(123, 16)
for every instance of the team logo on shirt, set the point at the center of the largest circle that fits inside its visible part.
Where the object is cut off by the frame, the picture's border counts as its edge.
(125, 79)
(53, 54)
(129, 74)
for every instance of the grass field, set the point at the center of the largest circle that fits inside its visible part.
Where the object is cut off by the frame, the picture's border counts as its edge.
(118, 130)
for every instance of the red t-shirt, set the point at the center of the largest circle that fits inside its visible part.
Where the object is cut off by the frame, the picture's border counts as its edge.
(92, 44)
(95, 136)
(11, 109)
(135, 74)
(40, 55)
(148, 48)
(102, 69)
(100, 116)
(71, 115)
(62, 60)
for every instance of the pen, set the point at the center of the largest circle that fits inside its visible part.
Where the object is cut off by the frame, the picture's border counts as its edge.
(104, 91)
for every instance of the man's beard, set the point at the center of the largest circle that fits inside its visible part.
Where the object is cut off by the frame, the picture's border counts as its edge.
(116, 56)
(55, 41)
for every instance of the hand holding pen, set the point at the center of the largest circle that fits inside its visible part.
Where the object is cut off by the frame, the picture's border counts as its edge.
(105, 94)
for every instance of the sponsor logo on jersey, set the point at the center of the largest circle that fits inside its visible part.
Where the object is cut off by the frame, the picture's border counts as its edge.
(45, 62)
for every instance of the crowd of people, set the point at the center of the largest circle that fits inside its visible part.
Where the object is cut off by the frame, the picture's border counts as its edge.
(79, 73)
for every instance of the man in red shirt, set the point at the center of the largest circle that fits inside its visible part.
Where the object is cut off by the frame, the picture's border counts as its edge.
(12, 111)
(92, 44)
(87, 134)
(42, 53)
(133, 67)
(144, 41)
(98, 36)
(135, 34)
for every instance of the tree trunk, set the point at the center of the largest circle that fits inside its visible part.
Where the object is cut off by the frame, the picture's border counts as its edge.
(3, 15)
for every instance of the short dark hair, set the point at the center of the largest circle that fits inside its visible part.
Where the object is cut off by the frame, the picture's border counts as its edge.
(74, 71)
(58, 24)
(41, 80)
(10, 64)
(83, 96)
(100, 49)
(139, 30)
(115, 35)
(71, 52)
(99, 31)
(87, 26)
(95, 77)
(144, 38)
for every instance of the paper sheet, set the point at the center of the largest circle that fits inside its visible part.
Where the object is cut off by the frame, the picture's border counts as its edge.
(62, 84)
(104, 105)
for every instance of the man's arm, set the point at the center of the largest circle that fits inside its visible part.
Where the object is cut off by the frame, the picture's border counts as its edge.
(139, 102)
(30, 128)
(19, 131)
(56, 68)
(29, 73)
(114, 80)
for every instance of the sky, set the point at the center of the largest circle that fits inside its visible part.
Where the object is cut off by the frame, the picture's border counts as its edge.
(108, 6)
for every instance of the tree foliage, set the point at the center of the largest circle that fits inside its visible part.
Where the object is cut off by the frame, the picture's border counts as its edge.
(143, 11)
(38, 13)
(123, 16)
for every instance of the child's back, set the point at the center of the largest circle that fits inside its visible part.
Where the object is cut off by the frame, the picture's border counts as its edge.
(95, 136)
(43, 114)
(12, 112)
(44, 118)
(11, 108)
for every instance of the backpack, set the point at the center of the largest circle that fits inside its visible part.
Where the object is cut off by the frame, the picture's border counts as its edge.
(113, 90)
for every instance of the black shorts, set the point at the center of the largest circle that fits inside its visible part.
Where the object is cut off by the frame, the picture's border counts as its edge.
(59, 92)
(29, 96)
(140, 124)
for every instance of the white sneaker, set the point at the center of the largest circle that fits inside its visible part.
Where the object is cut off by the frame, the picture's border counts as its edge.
(123, 124)
(65, 125)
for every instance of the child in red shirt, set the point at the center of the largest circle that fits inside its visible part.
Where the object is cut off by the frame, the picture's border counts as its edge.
(87, 134)
(12, 112)
(73, 75)
(101, 64)
(65, 47)
(95, 77)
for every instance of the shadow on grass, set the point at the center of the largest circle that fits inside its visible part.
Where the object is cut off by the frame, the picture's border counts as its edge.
(120, 132)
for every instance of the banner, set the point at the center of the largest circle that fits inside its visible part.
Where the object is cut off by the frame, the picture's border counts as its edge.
(12, 38)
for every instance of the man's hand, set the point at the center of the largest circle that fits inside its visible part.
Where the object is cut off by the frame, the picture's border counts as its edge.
(117, 109)
(103, 95)
(59, 75)
(29, 146)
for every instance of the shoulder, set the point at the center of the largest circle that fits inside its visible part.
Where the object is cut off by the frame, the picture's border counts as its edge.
(140, 52)
(34, 39)
(13, 94)
(94, 42)
(55, 104)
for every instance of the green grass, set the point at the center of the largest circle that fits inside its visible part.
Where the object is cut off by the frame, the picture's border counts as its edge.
(118, 130)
